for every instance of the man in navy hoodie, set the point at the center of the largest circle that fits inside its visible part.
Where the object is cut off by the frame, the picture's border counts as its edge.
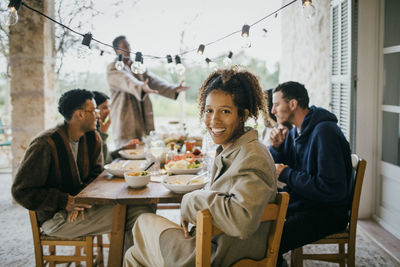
(313, 159)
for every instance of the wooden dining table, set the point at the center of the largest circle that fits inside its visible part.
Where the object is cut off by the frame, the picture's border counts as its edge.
(109, 190)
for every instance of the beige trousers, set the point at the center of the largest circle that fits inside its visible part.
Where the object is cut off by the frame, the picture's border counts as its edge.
(146, 233)
(98, 220)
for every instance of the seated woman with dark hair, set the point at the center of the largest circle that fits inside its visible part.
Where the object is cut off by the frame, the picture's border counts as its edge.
(242, 183)
(103, 124)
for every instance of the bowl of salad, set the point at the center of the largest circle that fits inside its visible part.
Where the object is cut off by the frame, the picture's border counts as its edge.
(184, 166)
(137, 178)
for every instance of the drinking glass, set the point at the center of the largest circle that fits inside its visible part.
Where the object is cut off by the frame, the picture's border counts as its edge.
(157, 150)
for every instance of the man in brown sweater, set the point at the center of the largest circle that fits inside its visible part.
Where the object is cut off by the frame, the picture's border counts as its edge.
(58, 164)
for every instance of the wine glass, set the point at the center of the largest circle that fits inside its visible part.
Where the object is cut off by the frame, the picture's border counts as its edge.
(157, 150)
(208, 149)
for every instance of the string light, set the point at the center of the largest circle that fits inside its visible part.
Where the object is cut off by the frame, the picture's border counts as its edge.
(11, 17)
(119, 64)
(227, 61)
(246, 36)
(200, 50)
(84, 50)
(211, 64)
(138, 67)
(179, 68)
(308, 9)
(170, 64)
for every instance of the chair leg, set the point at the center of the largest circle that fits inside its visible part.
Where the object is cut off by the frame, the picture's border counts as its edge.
(351, 255)
(89, 251)
(77, 253)
(38, 254)
(296, 257)
(342, 254)
(100, 258)
(52, 251)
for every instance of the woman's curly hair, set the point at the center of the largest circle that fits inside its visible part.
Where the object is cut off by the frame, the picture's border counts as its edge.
(241, 84)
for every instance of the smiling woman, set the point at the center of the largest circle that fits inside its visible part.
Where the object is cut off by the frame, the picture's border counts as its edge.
(242, 182)
(226, 99)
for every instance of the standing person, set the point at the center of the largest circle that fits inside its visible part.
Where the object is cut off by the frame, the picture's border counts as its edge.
(131, 107)
(242, 183)
(58, 164)
(103, 124)
(314, 161)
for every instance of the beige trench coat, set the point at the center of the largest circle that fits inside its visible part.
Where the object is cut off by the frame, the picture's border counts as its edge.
(243, 182)
(131, 109)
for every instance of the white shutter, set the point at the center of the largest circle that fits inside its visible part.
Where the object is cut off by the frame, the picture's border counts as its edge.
(343, 44)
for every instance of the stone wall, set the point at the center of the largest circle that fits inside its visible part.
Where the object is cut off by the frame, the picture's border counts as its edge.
(306, 50)
(32, 84)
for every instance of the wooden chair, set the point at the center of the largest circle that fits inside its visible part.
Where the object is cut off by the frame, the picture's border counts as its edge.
(40, 240)
(272, 212)
(346, 237)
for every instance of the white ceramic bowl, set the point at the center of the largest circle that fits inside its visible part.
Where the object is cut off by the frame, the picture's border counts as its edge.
(136, 181)
(118, 169)
(133, 153)
(176, 183)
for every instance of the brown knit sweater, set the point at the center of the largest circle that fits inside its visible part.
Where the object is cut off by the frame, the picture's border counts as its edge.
(48, 173)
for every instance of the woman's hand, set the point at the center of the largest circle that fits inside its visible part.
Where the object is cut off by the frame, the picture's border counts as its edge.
(279, 168)
(185, 227)
(104, 125)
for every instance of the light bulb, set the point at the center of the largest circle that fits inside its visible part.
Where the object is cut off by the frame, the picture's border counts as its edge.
(84, 52)
(180, 69)
(213, 66)
(246, 42)
(13, 16)
(170, 65)
(9, 16)
(227, 61)
(171, 68)
(138, 68)
(119, 65)
(309, 10)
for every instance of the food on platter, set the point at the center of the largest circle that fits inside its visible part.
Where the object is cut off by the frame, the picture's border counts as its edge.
(183, 164)
(133, 153)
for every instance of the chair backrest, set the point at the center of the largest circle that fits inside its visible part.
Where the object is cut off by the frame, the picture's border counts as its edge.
(275, 212)
(359, 166)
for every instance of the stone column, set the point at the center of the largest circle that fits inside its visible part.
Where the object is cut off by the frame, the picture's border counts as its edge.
(32, 85)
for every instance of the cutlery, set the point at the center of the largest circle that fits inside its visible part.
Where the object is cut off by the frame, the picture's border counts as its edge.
(149, 166)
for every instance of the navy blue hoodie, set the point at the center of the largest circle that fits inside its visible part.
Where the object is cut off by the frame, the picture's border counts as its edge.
(320, 173)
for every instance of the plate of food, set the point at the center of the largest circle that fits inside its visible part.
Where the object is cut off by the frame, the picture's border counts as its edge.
(178, 183)
(133, 153)
(184, 167)
(118, 168)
